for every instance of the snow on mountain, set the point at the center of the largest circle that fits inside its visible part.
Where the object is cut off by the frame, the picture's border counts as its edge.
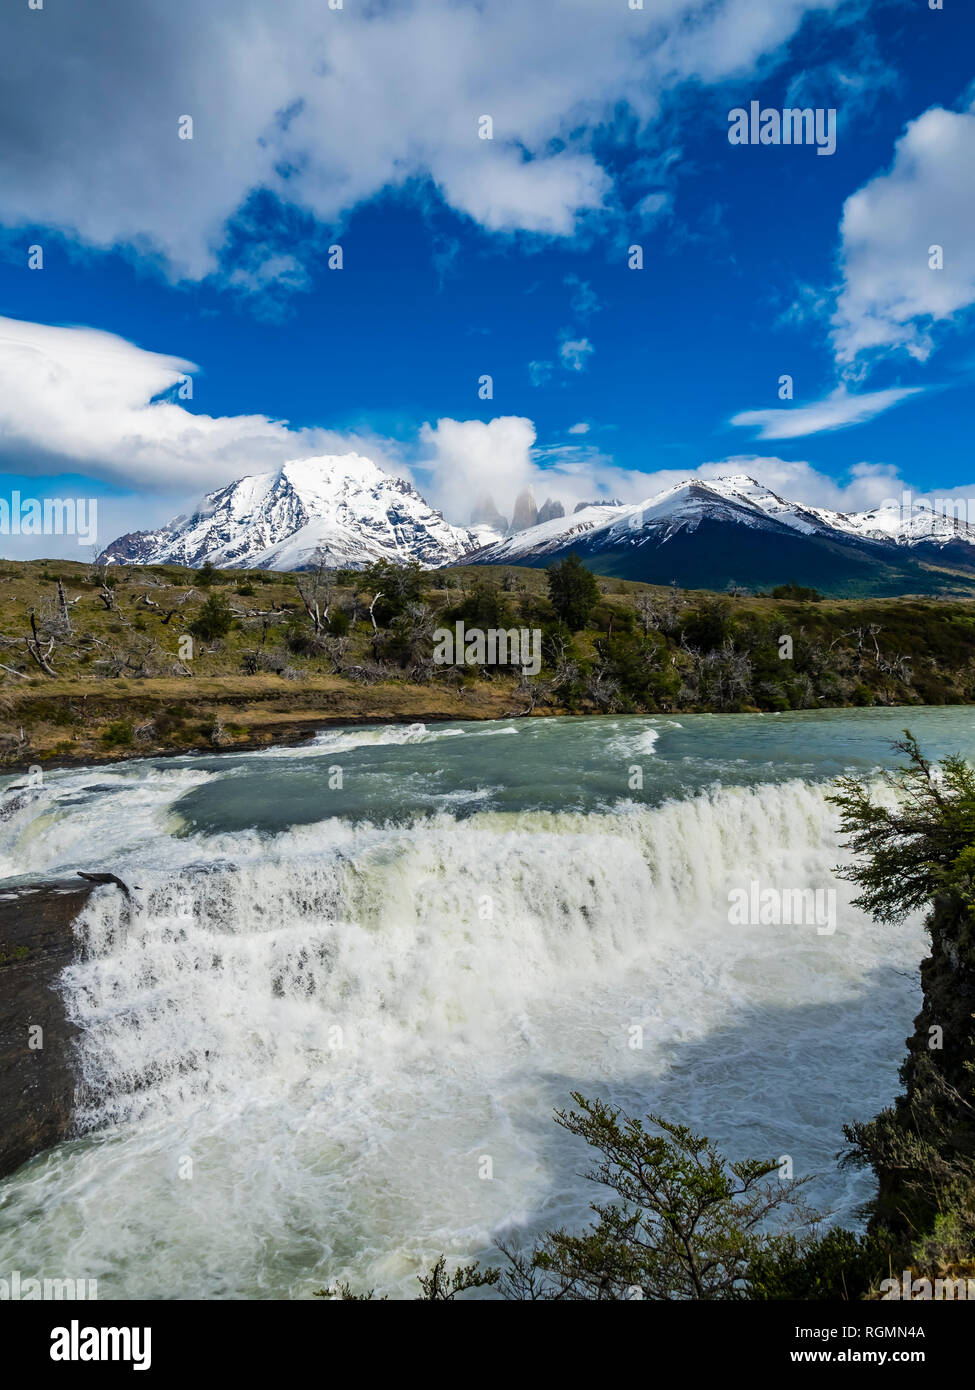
(351, 512)
(680, 508)
(735, 498)
(910, 525)
(340, 506)
(549, 536)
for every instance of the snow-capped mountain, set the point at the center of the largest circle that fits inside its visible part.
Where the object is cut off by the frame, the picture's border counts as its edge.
(342, 507)
(707, 533)
(915, 524)
(703, 533)
(735, 499)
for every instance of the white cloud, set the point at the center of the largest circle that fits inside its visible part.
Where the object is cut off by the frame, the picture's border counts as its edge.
(836, 411)
(584, 301)
(77, 400)
(869, 484)
(654, 205)
(575, 353)
(891, 295)
(461, 460)
(540, 372)
(325, 107)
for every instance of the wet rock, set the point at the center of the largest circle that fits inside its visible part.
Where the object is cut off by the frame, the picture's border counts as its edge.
(37, 1077)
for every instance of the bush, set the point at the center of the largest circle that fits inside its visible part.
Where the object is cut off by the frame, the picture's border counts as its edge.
(118, 734)
(921, 850)
(837, 1265)
(573, 591)
(707, 628)
(207, 575)
(797, 592)
(484, 607)
(215, 619)
(682, 1221)
(399, 585)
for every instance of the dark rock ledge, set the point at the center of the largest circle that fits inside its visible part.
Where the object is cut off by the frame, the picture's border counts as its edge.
(37, 1084)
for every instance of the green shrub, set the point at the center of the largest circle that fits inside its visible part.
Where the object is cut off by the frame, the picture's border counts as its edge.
(837, 1265)
(215, 619)
(573, 591)
(118, 734)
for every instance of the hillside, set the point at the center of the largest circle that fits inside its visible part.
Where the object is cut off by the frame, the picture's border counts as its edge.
(106, 671)
(733, 530)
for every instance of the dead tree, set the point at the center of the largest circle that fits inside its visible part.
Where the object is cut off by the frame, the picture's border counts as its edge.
(39, 653)
(533, 690)
(167, 613)
(649, 616)
(64, 616)
(316, 595)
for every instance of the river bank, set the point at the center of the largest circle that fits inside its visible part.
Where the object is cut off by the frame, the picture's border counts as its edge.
(156, 661)
(73, 724)
(67, 723)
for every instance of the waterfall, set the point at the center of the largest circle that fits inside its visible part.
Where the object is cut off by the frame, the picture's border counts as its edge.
(298, 1050)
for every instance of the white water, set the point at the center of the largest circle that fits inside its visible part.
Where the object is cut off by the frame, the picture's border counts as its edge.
(335, 1024)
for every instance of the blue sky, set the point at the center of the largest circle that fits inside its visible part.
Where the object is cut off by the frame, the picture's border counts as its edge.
(463, 257)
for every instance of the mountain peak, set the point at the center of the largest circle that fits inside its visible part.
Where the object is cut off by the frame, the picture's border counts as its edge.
(342, 507)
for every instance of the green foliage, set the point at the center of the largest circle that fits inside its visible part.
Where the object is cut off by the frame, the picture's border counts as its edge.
(483, 607)
(916, 846)
(206, 576)
(573, 591)
(797, 592)
(118, 734)
(298, 639)
(909, 849)
(215, 619)
(435, 1287)
(399, 585)
(682, 1222)
(709, 625)
(641, 667)
(10, 954)
(837, 1265)
(612, 617)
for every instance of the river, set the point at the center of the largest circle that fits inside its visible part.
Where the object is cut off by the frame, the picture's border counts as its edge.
(328, 1041)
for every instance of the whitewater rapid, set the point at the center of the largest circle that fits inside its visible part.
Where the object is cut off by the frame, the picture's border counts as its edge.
(299, 1048)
